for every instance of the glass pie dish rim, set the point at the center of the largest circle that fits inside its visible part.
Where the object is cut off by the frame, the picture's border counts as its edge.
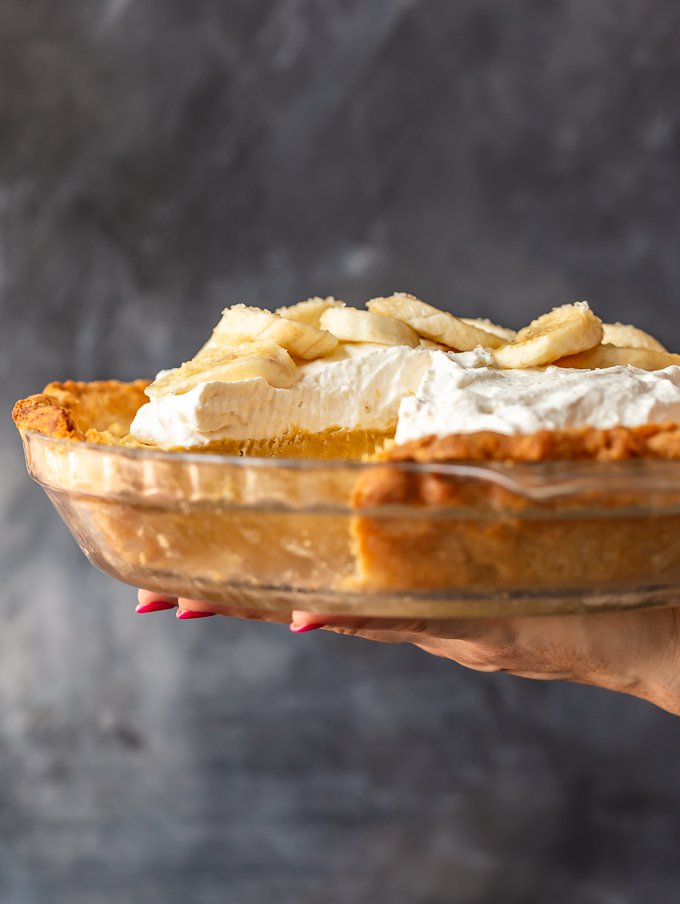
(539, 481)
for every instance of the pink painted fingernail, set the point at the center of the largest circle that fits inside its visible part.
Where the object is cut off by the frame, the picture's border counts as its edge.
(301, 629)
(155, 606)
(190, 613)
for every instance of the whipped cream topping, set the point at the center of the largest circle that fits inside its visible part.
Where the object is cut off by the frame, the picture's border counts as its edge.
(358, 387)
(460, 393)
(419, 391)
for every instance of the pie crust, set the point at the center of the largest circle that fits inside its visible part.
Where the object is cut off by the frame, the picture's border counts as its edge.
(98, 412)
(496, 536)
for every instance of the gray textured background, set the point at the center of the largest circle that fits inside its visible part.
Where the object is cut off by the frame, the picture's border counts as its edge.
(160, 159)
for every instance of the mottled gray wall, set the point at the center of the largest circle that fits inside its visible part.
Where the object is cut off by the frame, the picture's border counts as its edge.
(160, 159)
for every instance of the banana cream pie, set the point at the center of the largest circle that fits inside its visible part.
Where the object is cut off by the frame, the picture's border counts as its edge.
(403, 384)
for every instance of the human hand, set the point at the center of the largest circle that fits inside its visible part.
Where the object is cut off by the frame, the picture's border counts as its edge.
(635, 653)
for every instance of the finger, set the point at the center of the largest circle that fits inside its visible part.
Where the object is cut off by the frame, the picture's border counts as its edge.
(231, 611)
(391, 630)
(147, 596)
(150, 601)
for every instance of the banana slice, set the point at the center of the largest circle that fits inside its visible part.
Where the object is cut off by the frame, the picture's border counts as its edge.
(434, 346)
(301, 339)
(352, 325)
(431, 323)
(239, 362)
(241, 324)
(612, 356)
(567, 330)
(624, 335)
(310, 311)
(489, 326)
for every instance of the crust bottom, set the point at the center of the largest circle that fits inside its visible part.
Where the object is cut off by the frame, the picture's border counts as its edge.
(490, 535)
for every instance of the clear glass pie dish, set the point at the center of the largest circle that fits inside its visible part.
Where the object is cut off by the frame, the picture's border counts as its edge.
(423, 540)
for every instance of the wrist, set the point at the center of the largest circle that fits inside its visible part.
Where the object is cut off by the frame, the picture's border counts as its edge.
(658, 672)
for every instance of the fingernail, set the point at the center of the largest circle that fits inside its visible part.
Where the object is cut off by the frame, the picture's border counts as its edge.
(301, 629)
(155, 606)
(190, 613)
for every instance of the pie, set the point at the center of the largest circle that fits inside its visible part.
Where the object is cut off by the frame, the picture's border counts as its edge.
(461, 423)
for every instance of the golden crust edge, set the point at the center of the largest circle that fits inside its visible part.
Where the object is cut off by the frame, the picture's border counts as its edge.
(660, 440)
(390, 485)
(97, 411)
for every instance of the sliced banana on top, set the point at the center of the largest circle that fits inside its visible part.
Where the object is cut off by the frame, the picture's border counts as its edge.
(567, 330)
(624, 335)
(352, 325)
(483, 323)
(241, 324)
(229, 365)
(310, 311)
(612, 356)
(301, 339)
(431, 323)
